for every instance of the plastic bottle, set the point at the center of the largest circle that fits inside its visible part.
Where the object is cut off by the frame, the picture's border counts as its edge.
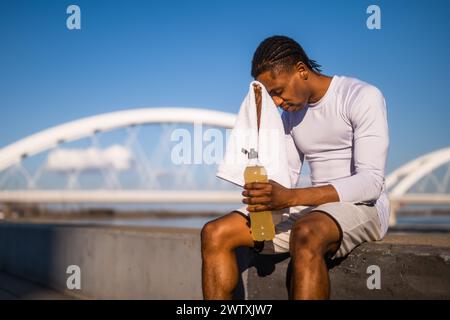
(261, 223)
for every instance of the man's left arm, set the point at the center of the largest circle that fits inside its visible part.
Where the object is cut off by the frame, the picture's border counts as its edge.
(368, 117)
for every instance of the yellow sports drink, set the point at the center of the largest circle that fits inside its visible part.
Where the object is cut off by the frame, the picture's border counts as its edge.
(261, 223)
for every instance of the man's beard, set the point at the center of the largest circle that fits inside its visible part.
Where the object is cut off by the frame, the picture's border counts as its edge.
(293, 107)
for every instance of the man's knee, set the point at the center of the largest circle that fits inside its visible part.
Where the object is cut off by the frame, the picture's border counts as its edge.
(308, 239)
(216, 235)
(226, 233)
(304, 238)
(211, 234)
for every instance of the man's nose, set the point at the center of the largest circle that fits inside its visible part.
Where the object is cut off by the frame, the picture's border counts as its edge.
(277, 100)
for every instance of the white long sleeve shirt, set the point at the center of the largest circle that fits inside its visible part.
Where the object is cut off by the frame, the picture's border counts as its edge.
(344, 137)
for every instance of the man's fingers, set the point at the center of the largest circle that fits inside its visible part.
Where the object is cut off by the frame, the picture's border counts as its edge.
(256, 193)
(257, 200)
(257, 185)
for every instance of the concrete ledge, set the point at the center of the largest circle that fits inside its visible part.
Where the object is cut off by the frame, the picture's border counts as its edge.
(411, 268)
(115, 263)
(165, 263)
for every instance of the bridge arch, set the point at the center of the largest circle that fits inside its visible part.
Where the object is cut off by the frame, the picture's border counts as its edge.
(85, 127)
(402, 179)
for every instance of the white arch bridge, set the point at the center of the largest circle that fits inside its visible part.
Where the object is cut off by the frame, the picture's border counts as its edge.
(155, 181)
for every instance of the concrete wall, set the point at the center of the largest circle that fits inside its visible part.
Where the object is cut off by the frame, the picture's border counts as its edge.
(115, 262)
(165, 263)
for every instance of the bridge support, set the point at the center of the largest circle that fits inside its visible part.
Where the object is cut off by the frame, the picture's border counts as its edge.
(395, 205)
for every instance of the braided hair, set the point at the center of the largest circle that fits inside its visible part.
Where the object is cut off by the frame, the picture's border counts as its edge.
(280, 53)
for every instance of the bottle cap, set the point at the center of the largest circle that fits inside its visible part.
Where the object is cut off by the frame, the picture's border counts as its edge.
(253, 154)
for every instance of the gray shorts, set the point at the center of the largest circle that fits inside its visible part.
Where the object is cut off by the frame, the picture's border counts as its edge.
(358, 222)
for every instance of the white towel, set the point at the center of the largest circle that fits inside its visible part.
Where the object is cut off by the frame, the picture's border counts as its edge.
(276, 150)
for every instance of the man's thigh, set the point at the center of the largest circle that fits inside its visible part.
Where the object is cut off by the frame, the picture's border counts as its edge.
(357, 224)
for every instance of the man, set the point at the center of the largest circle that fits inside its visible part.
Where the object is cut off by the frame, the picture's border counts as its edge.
(339, 125)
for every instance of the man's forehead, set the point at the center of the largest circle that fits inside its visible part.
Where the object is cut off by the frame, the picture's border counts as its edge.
(271, 81)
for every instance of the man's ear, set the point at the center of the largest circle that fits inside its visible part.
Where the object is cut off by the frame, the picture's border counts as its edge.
(302, 70)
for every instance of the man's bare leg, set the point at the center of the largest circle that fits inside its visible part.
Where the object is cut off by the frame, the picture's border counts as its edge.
(220, 238)
(312, 237)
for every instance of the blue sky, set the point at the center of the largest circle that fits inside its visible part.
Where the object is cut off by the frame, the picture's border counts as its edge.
(132, 54)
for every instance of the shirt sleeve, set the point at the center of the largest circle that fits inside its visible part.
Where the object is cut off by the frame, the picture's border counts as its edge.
(368, 117)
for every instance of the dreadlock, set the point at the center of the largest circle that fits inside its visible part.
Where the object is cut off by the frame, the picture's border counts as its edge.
(280, 53)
